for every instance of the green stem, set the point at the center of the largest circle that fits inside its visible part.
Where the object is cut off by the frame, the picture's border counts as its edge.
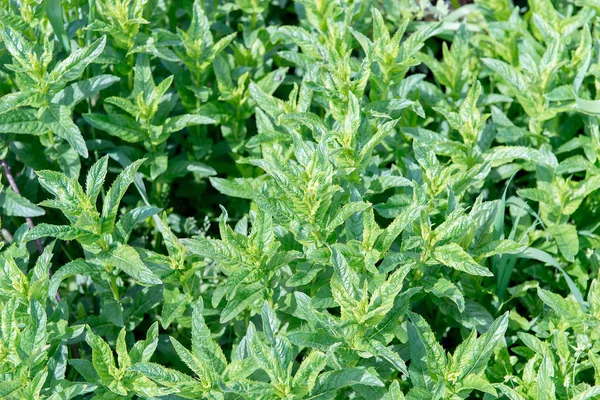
(91, 17)
(114, 287)
(130, 62)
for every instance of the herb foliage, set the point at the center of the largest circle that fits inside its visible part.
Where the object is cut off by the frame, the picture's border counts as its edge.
(310, 199)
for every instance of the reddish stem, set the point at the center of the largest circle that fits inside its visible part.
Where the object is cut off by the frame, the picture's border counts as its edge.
(15, 188)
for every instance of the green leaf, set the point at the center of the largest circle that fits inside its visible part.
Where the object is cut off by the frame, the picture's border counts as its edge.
(73, 66)
(271, 105)
(476, 382)
(510, 393)
(14, 204)
(346, 212)
(81, 90)
(406, 217)
(173, 307)
(382, 299)
(122, 353)
(113, 312)
(436, 357)
(102, 357)
(500, 155)
(394, 392)
(453, 256)
(12, 101)
(546, 258)
(334, 380)
(164, 376)
(125, 226)
(509, 73)
(317, 339)
(95, 179)
(55, 16)
(180, 168)
(381, 133)
(115, 194)
(472, 356)
(391, 357)
(590, 393)
(124, 105)
(191, 361)
(16, 44)
(34, 336)
(238, 187)
(444, 288)
(143, 350)
(345, 274)
(243, 297)
(306, 375)
(121, 126)
(21, 121)
(58, 119)
(567, 239)
(128, 260)
(566, 308)
(64, 232)
(536, 195)
(180, 122)
(143, 81)
(76, 267)
(203, 346)
(545, 383)
(504, 246)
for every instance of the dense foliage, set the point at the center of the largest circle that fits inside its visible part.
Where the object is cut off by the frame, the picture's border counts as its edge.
(319, 199)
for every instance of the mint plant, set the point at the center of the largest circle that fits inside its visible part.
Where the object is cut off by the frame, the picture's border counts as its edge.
(299, 200)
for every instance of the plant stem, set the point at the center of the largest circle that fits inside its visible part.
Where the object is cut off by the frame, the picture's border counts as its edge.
(15, 188)
(114, 287)
(130, 62)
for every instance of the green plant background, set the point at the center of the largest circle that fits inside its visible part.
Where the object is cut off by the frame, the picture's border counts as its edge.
(312, 199)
